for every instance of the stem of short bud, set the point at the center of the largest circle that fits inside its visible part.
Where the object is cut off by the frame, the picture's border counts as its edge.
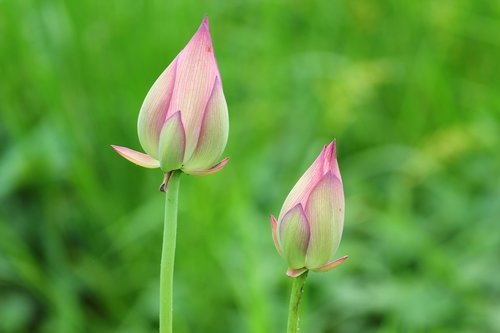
(168, 252)
(295, 298)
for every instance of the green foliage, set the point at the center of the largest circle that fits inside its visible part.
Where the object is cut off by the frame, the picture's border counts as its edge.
(409, 89)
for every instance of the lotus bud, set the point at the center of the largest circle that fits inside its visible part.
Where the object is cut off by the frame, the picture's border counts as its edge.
(183, 122)
(309, 227)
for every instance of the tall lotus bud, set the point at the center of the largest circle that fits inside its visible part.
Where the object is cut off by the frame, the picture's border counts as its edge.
(183, 122)
(309, 227)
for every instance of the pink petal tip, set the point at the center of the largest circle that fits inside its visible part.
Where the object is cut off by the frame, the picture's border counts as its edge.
(204, 26)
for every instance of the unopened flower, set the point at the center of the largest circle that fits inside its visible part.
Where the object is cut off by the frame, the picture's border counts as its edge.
(309, 227)
(183, 122)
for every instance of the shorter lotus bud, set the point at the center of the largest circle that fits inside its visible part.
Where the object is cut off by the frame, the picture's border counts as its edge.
(309, 228)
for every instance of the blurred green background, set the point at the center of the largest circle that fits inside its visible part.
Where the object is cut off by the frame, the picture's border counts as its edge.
(411, 91)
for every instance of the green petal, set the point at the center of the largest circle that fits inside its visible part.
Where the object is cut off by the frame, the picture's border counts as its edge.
(325, 213)
(172, 143)
(293, 234)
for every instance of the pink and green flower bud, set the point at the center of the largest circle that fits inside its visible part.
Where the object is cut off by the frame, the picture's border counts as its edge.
(309, 227)
(183, 122)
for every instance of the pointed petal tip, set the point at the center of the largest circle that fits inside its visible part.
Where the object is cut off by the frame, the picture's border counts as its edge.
(329, 157)
(334, 176)
(333, 145)
(175, 114)
(205, 25)
(331, 149)
(217, 83)
(292, 211)
(300, 207)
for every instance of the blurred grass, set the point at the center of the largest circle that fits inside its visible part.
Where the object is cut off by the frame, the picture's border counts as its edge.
(409, 89)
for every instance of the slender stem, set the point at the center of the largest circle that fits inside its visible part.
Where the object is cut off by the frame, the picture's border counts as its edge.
(168, 253)
(295, 298)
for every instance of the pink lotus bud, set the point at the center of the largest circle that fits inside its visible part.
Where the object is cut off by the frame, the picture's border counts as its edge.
(308, 231)
(183, 123)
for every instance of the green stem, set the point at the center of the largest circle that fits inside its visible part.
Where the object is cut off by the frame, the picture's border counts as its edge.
(295, 298)
(168, 253)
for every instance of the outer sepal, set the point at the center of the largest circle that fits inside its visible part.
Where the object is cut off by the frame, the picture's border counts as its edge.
(212, 170)
(136, 157)
(293, 273)
(331, 265)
